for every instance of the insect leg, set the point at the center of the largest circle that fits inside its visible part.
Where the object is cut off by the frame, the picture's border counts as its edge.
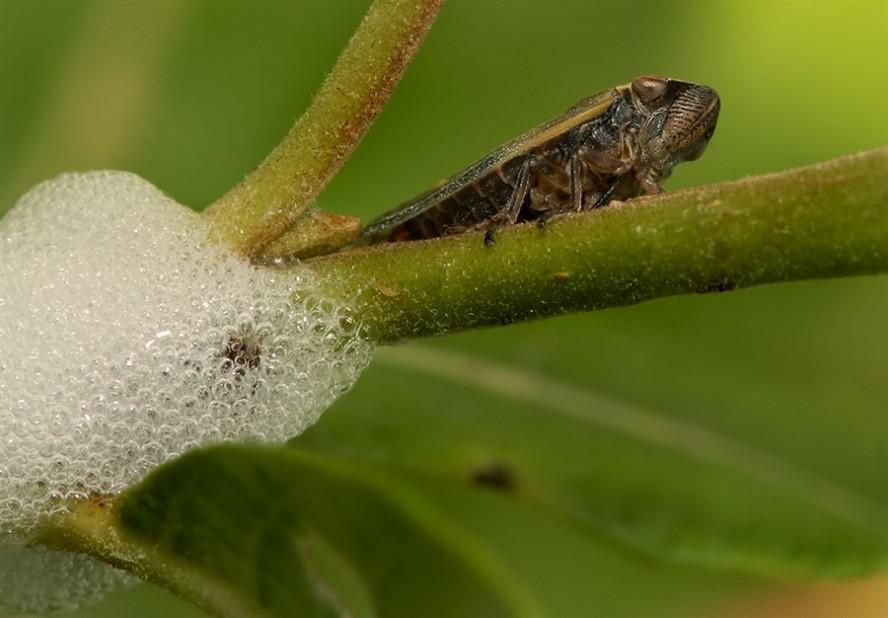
(522, 186)
(509, 214)
(605, 197)
(650, 186)
(576, 189)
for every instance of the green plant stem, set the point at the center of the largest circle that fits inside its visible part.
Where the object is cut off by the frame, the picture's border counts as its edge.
(92, 527)
(277, 193)
(825, 220)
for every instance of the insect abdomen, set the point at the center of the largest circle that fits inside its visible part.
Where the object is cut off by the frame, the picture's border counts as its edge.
(472, 205)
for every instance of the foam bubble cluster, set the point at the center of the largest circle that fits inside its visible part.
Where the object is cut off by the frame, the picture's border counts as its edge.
(127, 338)
(36, 580)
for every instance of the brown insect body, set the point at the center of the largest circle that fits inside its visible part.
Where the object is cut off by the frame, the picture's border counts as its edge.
(615, 145)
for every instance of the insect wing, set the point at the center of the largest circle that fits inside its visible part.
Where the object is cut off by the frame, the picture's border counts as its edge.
(433, 197)
(582, 112)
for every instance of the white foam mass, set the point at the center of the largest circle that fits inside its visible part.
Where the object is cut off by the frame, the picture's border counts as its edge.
(127, 338)
(37, 580)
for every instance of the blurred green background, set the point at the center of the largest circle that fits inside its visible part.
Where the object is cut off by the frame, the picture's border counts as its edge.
(192, 94)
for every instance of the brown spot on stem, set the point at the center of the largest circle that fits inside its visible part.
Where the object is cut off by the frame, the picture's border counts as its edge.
(388, 292)
(720, 285)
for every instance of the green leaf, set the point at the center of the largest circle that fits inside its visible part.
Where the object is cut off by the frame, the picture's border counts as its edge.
(678, 482)
(287, 532)
(252, 531)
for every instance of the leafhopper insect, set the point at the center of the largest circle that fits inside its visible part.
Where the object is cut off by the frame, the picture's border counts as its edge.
(618, 144)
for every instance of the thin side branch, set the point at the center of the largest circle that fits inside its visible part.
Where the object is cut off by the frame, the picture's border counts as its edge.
(267, 202)
(92, 527)
(825, 220)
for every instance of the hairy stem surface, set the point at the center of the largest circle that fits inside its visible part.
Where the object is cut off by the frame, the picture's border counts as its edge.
(824, 220)
(278, 193)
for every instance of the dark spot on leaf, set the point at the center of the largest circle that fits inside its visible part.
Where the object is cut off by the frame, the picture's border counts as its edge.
(494, 475)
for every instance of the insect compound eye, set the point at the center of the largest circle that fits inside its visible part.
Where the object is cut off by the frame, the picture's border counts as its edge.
(649, 87)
